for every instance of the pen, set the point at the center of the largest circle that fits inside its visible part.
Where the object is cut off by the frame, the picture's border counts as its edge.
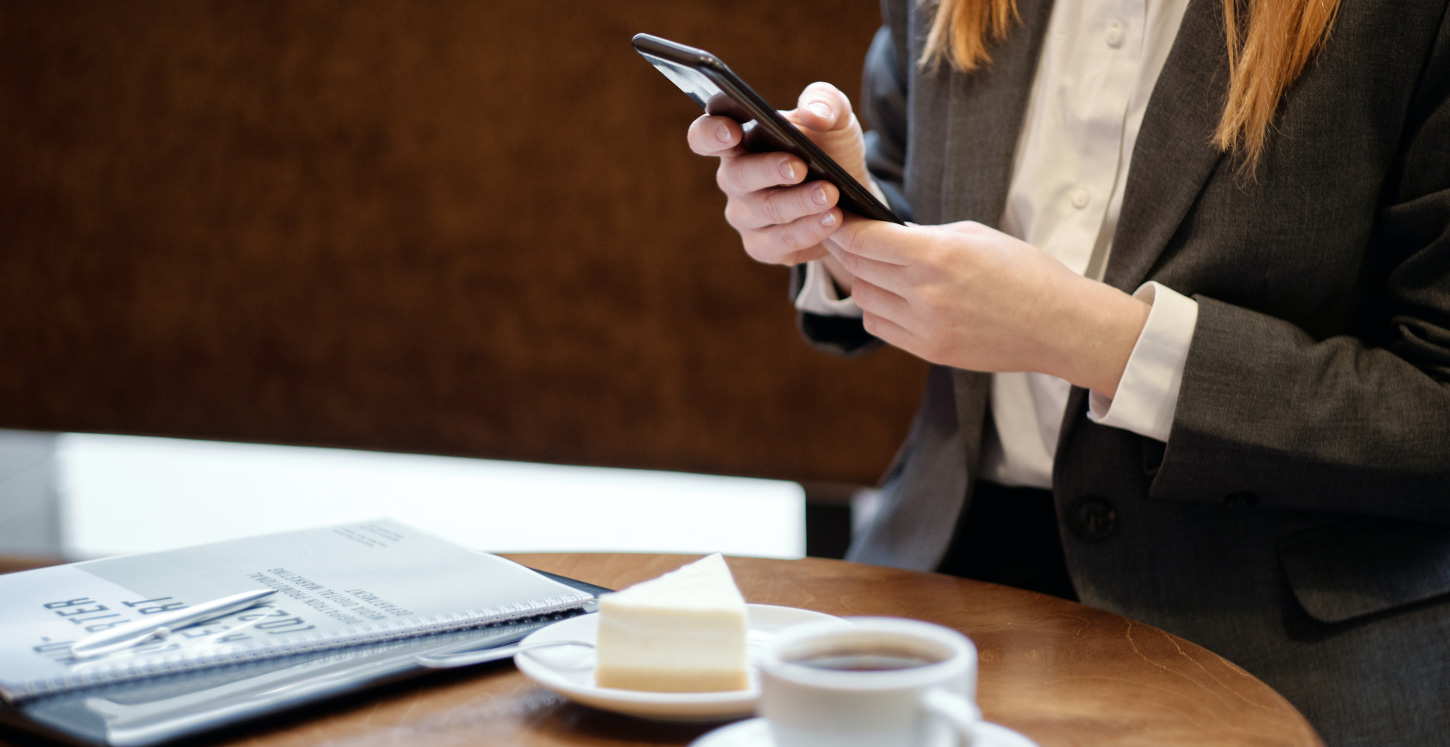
(162, 624)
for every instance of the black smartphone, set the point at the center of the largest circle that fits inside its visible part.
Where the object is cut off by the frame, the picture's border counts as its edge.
(707, 80)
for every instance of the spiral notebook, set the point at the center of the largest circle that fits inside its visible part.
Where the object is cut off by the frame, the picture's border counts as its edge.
(338, 587)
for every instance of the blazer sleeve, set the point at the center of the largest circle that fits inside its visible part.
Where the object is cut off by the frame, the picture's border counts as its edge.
(1353, 424)
(883, 107)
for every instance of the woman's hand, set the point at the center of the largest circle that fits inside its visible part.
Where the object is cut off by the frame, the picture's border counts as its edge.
(969, 296)
(780, 219)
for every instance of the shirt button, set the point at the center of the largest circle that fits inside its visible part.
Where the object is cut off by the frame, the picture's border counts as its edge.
(1115, 34)
(1080, 198)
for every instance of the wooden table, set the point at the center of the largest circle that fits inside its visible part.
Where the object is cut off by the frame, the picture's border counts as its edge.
(1059, 672)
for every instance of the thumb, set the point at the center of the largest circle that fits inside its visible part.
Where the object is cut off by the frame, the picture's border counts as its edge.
(823, 108)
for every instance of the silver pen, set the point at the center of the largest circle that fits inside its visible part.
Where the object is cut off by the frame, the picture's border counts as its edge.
(162, 624)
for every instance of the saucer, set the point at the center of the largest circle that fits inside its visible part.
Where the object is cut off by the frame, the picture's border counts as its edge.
(755, 733)
(569, 670)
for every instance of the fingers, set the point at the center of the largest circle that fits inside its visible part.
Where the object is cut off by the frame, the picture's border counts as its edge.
(881, 302)
(893, 278)
(878, 240)
(780, 219)
(741, 175)
(890, 332)
(768, 207)
(715, 136)
(887, 316)
(792, 242)
(822, 107)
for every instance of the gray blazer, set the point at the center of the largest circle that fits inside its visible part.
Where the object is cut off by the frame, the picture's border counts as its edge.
(1296, 521)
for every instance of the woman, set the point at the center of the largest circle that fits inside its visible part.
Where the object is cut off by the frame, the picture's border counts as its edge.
(1184, 271)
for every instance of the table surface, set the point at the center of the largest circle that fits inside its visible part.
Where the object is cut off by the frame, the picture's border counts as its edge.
(1059, 672)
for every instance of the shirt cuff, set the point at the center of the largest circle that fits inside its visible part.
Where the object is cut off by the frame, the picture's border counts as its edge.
(1147, 395)
(818, 294)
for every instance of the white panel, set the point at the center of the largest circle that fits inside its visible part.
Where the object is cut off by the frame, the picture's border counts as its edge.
(130, 494)
(29, 509)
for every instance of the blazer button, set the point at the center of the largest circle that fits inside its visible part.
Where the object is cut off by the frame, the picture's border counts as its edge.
(1092, 518)
(1241, 498)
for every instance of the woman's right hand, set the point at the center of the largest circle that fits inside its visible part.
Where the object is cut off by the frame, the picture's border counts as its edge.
(780, 219)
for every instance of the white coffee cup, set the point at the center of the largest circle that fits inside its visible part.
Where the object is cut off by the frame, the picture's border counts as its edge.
(882, 681)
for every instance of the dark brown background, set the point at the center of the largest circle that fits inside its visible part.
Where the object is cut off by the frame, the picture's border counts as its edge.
(450, 227)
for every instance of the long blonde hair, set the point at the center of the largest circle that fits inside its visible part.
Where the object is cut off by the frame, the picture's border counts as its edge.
(1263, 60)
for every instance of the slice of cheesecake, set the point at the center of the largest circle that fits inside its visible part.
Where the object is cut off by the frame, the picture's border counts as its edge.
(682, 632)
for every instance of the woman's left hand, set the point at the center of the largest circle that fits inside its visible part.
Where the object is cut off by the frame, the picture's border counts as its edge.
(969, 296)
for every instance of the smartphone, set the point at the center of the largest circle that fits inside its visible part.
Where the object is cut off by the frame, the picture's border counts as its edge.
(712, 85)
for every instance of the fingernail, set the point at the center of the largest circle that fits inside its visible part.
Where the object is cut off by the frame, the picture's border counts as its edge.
(821, 109)
(819, 195)
(787, 169)
(722, 133)
(829, 219)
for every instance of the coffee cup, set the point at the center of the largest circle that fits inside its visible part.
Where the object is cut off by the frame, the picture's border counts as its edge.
(880, 681)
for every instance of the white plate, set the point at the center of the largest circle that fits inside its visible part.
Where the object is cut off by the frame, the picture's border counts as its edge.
(755, 733)
(569, 670)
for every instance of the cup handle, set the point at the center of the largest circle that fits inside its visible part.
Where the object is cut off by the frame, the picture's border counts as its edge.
(961, 714)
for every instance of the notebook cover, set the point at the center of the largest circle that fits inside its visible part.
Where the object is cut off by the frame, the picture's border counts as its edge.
(172, 707)
(337, 587)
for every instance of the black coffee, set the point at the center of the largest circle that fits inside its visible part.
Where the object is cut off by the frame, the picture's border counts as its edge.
(864, 662)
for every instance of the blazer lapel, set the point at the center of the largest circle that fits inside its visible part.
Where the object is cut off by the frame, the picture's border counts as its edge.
(984, 118)
(1172, 159)
(1174, 154)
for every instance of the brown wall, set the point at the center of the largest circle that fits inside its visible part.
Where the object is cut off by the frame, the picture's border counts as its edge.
(448, 227)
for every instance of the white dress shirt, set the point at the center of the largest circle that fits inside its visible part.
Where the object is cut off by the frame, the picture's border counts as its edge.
(1099, 63)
